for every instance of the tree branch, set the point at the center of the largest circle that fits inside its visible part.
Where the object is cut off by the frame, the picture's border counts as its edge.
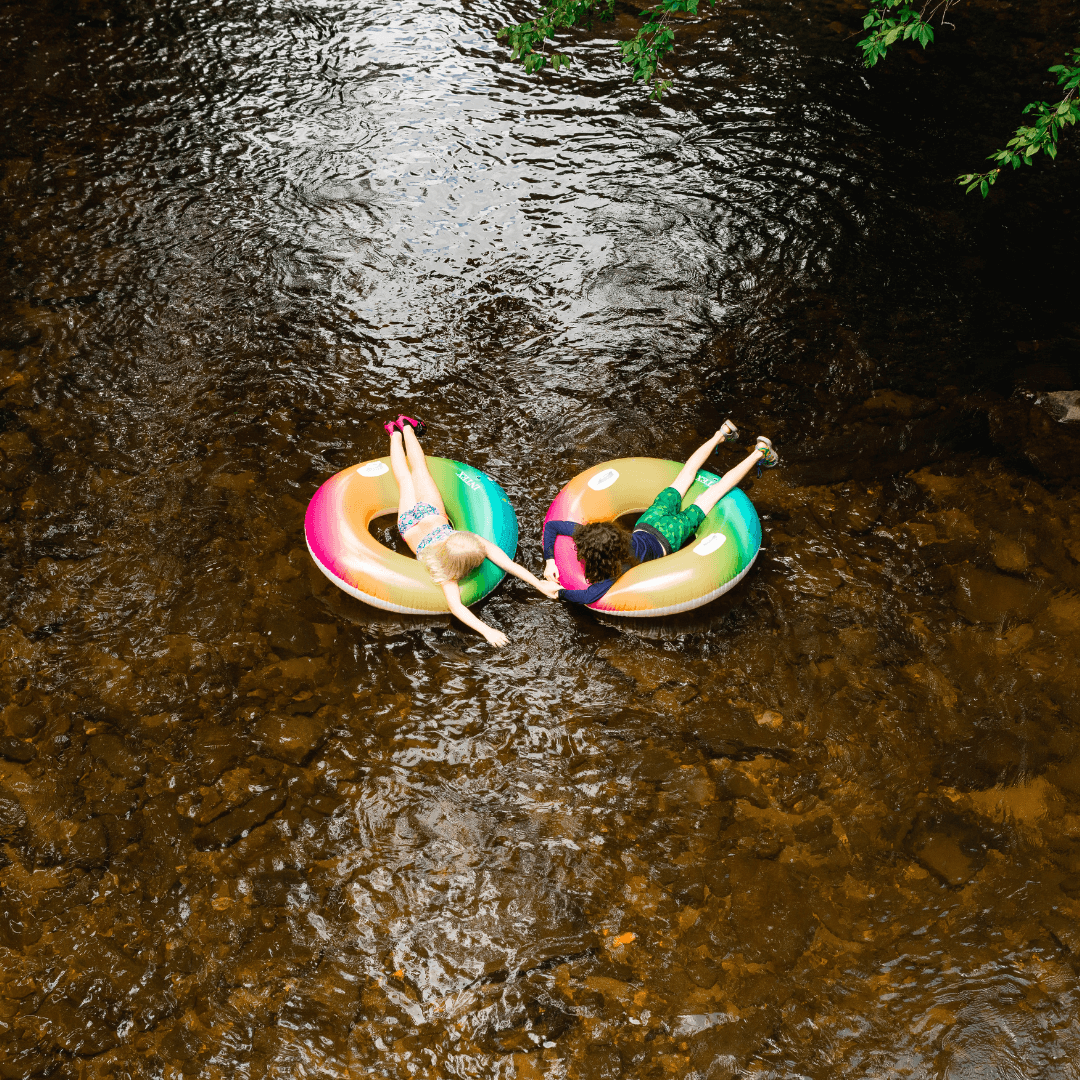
(1043, 134)
(642, 54)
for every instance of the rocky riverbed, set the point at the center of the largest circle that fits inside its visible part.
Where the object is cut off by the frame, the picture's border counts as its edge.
(828, 826)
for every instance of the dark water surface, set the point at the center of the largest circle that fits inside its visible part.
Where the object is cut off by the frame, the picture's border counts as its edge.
(827, 827)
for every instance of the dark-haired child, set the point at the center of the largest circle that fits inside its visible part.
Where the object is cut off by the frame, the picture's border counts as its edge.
(606, 548)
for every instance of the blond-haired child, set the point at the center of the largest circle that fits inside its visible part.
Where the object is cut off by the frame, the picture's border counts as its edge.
(448, 554)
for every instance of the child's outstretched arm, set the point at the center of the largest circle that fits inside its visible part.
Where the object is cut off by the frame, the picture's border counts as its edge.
(453, 599)
(503, 561)
(552, 531)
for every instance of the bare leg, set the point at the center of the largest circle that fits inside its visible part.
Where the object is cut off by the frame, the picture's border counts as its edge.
(689, 471)
(399, 463)
(708, 499)
(423, 485)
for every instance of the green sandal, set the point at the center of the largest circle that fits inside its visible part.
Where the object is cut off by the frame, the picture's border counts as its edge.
(769, 457)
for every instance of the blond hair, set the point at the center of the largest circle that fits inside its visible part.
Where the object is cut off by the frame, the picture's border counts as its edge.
(454, 557)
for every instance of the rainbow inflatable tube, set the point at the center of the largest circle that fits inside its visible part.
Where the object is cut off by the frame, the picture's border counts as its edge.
(716, 560)
(338, 531)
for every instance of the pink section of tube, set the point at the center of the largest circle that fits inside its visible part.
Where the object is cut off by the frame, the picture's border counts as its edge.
(323, 524)
(571, 570)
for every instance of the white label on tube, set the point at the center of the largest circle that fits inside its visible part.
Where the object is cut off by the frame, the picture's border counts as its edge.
(710, 544)
(604, 479)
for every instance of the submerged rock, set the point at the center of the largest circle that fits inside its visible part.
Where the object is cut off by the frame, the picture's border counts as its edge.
(18, 928)
(1043, 428)
(1064, 931)
(213, 750)
(16, 750)
(1070, 886)
(74, 1029)
(225, 830)
(89, 846)
(117, 758)
(290, 738)
(942, 856)
(13, 822)
(948, 845)
(982, 597)
(24, 723)
(1062, 405)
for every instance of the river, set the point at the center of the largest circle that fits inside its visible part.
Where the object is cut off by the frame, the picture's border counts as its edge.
(827, 826)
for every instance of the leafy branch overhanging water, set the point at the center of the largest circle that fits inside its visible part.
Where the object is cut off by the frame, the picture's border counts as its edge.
(887, 22)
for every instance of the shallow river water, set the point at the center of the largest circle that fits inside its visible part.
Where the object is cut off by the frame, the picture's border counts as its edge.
(828, 826)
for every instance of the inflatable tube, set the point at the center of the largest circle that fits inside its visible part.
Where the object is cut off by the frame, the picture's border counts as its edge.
(338, 531)
(716, 560)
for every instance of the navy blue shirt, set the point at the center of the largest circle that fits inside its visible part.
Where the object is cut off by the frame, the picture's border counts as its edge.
(644, 545)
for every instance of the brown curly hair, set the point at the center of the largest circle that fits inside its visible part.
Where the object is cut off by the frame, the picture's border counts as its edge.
(604, 548)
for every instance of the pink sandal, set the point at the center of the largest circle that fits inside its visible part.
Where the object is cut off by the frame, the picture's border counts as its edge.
(418, 425)
(392, 426)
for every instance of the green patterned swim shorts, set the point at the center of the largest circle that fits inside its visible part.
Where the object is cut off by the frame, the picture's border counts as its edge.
(667, 520)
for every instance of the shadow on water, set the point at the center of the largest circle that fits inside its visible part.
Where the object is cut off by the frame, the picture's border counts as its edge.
(828, 826)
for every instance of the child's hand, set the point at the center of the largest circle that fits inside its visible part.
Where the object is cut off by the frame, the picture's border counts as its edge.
(495, 637)
(551, 570)
(550, 589)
